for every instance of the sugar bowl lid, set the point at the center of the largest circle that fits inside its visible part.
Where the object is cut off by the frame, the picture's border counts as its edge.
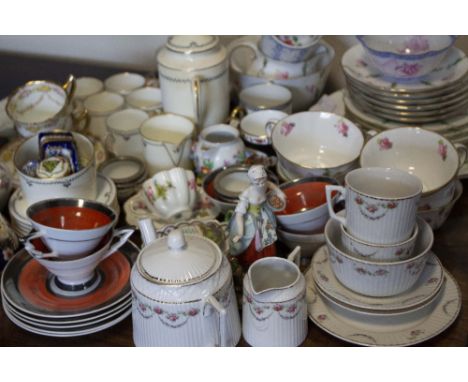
(179, 259)
(192, 44)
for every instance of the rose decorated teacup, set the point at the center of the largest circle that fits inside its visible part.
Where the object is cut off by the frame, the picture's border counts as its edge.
(256, 127)
(288, 48)
(42, 105)
(425, 154)
(406, 57)
(317, 144)
(381, 204)
(171, 194)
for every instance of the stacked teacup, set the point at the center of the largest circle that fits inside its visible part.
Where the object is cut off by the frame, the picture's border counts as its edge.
(378, 247)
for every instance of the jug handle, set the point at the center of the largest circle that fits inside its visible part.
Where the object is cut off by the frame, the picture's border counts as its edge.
(70, 86)
(196, 90)
(462, 153)
(222, 334)
(295, 256)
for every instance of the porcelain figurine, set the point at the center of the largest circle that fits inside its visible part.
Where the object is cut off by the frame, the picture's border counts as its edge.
(252, 229)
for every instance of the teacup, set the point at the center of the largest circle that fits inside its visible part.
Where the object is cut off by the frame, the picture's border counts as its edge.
(70, 227)
(124, 132)
(87, 86)
(148, 99)
(266, 97)
(124, 83)
(42, 105)
(167, 142)
(423, 153)
(289, 48)
(99, 107)
(381, 204)
(81, 184)
(257, 126)
(171, 194)
(77, 271)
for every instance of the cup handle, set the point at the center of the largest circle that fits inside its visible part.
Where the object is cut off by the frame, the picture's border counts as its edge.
(222, 334)
(29, 247)
(295, 256)
(269, 126)
(78, 116)
(123, 235)
(328, 192)
(462, 153)
(70, 86)
(196, 90)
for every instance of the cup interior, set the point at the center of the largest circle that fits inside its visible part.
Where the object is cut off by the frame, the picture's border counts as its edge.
(255, 123)
(383, 183)
(220, 134)
(301, 197)
(103, 102)
(167, 128)
(265, 96)
(128, 120)
(86, 86)
(145, 98)
(124, 82)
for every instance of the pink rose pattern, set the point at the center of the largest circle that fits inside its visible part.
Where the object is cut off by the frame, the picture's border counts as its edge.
(409, 69)
(416, 44)
(442, 150)
(286, 128)
(261, 312)
(385, 144)
(343, 129)
(374, 211)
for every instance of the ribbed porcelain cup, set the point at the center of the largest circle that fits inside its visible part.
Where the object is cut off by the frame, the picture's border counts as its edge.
(381, 204)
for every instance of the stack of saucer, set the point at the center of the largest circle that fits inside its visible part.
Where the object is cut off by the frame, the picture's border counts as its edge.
(436, 101)
(378, 268)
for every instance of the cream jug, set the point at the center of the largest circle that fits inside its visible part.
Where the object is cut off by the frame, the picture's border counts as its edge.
(194, 79)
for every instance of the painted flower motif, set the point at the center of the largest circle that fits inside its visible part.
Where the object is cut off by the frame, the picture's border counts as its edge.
(277, 307)
(343, 129)
(358, 200)
(433, 280)
(409, 69)
(158, 310)
(193, 312)
(173, 317)
(322, 317)
(249, 299)
(400, 252)
(392, 205)
(361, 271)
(372, 208)
(142, 307)
(292, 308)
(281, 75)
(380, 272)
(385, 144)
(442, 150)
(416, 44)
(286, 128)
(416, 332)
(192, 184)
(258, 310)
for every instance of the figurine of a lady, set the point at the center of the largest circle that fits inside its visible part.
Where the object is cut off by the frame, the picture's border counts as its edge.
(252, 229)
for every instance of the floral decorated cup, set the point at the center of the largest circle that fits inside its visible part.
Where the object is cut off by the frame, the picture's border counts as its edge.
(406, 57)
(289, 48)
(256, 127)
(425, 154)
(377, 278)
(381, 204)
(42, 105)
(171, 194)
(317, 144)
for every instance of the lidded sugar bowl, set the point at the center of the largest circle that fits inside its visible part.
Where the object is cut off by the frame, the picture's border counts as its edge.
(183, 293)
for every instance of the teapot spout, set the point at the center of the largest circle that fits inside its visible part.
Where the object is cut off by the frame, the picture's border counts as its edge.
(148, 234)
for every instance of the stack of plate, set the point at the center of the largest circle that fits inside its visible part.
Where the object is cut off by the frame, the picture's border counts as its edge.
(29, 301)
(437, 102)
(412, 317)
(17, 206)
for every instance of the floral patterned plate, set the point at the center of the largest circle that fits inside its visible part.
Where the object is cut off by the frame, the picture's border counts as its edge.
(135, 208)
(450, 71)
(426, 287)
(402, 329)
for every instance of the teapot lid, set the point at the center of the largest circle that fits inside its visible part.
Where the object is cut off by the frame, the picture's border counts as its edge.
(192, 44)
(179, 259)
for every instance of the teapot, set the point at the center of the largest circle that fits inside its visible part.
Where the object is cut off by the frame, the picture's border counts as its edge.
(194, 79)
(183, 292)
(218, 146)
(274, 310)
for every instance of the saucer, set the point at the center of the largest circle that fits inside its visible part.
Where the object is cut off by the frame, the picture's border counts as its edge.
(135, 209)
(449, 73)
(17, 206)
(425, 288)
(24, 286)
(404, 329)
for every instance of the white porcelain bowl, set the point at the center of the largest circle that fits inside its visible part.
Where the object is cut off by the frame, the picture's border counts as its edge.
(317, 144)
(406, 57)
(171, 194)
(439, 198)
(428, 155)
(81, 184)
(377, 278)
(309, 242)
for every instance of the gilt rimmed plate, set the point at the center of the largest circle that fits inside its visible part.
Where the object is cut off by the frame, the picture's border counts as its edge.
(404, 329)
(453, 67)
(425, 288)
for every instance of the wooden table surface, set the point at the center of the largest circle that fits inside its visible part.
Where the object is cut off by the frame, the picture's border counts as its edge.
(450, 245)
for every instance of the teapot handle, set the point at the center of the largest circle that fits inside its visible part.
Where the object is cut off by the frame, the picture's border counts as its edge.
(196, 90)
(222, 334)
(238, 44)
(70, 86)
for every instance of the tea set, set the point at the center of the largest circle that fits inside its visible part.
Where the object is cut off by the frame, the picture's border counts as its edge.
(226, 227)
